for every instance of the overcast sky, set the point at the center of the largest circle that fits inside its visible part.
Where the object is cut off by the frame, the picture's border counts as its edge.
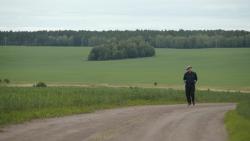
(124, 14)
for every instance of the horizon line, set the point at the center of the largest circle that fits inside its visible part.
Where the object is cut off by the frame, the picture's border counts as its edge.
(106, 30)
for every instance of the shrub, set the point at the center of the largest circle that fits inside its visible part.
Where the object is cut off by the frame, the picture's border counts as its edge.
(155, 83)
(40, 84)
(7, 81)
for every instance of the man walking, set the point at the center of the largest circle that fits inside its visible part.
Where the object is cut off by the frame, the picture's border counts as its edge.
(190, 79)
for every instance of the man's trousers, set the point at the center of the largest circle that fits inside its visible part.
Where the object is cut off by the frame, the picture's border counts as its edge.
(190, 91)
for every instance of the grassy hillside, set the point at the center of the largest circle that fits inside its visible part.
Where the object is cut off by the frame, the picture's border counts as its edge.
(216, 68)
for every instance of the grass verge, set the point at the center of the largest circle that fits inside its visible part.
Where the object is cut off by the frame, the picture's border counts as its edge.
(238, 122)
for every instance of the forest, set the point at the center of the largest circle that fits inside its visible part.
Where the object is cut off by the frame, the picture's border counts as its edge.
(155, 38)
(131, 48)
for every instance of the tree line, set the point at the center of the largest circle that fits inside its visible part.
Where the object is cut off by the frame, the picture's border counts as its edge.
(131, 48)
(157, 39)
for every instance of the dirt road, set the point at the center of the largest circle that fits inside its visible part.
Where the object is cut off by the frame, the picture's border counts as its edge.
(204, 122)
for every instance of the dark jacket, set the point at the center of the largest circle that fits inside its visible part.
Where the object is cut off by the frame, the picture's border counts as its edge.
(190, 78)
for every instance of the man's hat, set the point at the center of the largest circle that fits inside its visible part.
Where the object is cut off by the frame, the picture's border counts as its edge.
(188, 67)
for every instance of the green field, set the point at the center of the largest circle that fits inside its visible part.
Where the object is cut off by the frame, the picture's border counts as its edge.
(216, 67)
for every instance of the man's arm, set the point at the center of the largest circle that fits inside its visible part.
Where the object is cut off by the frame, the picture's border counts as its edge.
(196, 78)
(184, 78)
